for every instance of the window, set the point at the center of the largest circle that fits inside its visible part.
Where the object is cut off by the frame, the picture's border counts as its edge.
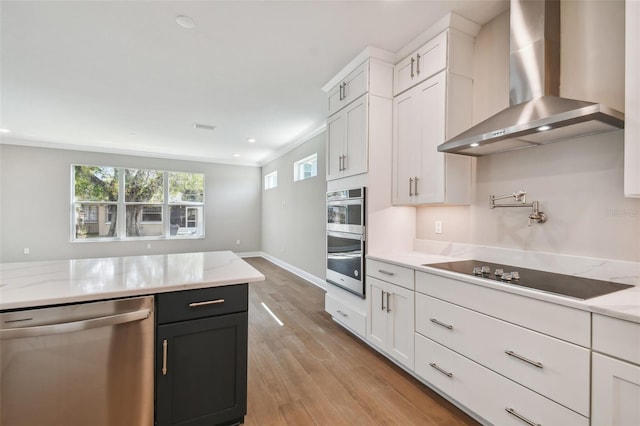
(271, 180)
(118, 203)
(305, 168)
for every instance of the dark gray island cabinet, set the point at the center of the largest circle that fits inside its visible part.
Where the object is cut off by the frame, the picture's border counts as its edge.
(201, 356)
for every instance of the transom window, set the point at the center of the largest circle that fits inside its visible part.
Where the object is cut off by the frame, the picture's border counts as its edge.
(305, 168)
(112, 203)
(271, 180)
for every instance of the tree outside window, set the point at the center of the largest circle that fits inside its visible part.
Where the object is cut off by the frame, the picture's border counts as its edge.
(145, 198)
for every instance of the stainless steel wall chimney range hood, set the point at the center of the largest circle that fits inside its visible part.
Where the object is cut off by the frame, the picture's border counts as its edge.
(536, 115)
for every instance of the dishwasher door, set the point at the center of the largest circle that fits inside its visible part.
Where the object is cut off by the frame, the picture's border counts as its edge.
(82, 364)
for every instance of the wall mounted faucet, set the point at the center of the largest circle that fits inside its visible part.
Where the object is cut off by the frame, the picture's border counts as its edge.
(520, 200)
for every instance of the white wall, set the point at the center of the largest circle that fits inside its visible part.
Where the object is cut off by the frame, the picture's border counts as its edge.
(35, 197)
(293, 214)
(579, 183)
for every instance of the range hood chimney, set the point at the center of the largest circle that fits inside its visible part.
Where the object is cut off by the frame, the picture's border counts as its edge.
(536, 115)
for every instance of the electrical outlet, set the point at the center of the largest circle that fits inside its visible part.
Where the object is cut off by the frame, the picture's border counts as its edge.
(438, 227)
(148, 246)
(238, 242)
(26, 250)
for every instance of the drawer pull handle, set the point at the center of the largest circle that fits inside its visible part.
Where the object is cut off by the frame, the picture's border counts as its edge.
(206, 303)
(382, 300)
(388, 303)
(342, 313)
(165, 346)
(521, 417)
(435, 321)
(521, 358)
(446, 373)
(382, 271)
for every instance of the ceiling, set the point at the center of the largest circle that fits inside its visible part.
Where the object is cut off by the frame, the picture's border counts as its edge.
(123, 76)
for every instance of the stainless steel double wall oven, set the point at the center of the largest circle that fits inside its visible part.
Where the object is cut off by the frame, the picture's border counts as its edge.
(346, 239)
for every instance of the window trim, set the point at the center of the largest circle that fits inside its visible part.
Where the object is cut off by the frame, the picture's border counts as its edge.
(121, 205)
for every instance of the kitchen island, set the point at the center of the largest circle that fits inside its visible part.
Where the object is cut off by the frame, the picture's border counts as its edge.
(178, 356)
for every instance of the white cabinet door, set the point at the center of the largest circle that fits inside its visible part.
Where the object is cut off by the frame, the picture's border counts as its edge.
(615, 392)
(377, 326)
(391, 325)
(430, 187)
(347, 140)
(353, 85)
(406, 145)
(418, 129)
(401, 325)
(355, 150)
(424, 62)
(336, 135)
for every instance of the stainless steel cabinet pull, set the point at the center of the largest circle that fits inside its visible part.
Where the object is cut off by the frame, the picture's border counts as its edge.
(446, 373)
(416, 187)
(521, 358)
(410, 187)
(435, 321)
(69, 327)
(382, 271)
(382, 300)
(165, 346)
(341, 95)
(521, 417)
(412, 62)
(344, 162)
(206, 303)
(388, 304)
(418, 63)
(342, 313)
(344, 90)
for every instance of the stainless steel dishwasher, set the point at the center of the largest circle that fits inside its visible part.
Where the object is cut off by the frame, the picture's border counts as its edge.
(82, 364)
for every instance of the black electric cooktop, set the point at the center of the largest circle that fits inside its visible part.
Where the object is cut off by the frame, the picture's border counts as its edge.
(564, 285)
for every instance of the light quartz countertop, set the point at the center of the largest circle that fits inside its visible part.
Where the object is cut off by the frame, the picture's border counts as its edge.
(32, 284)
(623, 304)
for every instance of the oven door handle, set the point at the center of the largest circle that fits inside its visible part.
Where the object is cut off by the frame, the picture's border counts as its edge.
(346, 235)
(353, 202)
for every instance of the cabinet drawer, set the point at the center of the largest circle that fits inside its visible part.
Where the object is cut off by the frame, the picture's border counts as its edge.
(352, 87)
(572, 325)
(391, 273)
(200, 303)
(616, 337)
(486, 393)
(423, 63)
(549, 366)
(345, 315)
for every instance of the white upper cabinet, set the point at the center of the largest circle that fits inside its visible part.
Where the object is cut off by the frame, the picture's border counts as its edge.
(349, 89)
(450, 49)
(347, 140)
(357, 100)
(632, 101)
(421, 64)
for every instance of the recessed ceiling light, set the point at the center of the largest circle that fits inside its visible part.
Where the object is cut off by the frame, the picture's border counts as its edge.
(251, 140)
(543, 128)
(236, 155)
(203, 126)
(473, 145)
(4, 130)
(185, 21)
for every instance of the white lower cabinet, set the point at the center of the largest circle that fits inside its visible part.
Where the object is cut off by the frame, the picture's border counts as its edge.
(493, 397)
(615, 387)
(552, 367)
(390, 328)
(616, 392)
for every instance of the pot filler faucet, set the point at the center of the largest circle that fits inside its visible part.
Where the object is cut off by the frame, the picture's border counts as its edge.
(520, 200)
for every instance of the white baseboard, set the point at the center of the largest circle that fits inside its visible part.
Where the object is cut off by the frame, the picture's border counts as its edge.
(250, 254)
(319, 282)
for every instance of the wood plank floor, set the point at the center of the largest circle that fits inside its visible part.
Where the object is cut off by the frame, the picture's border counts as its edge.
(311, 371)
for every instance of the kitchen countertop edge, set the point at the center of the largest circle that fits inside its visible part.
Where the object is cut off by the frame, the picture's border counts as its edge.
(217, 269)
(623, 304)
